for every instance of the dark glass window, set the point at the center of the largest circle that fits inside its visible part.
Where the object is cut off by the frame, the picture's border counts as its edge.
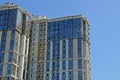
(79, 63)
(1, 57)
(10, 58)
(48, 51)
(70, 48)
(3, 41)
(9, 69)
(63, 49)
(8, 78)
(8, 19)
(12, 45)
(80, 75)
(63, 76)
(70, 75)
(55, 53)
(63, 65)
(47, 76)
(13, 35)
(47, 66)
(55, 76)
(79, 48)
(70, 64)
(55, 66)
(64, 29)
(1, 68)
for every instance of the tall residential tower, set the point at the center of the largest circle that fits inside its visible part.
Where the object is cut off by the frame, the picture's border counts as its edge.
(37, 48)
(14, 42)
(67, 54)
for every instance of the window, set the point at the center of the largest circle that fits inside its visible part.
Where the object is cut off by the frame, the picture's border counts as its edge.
(70, 64)
(8, 78)
(55, 76)
(55, 53)
(70, 48)
(63, 49)
(13, 35)
(12, 45)
(3, 41)
(55, 66)
(70, 75)
(79, 75)
(1, 68)
(48, 51)
(79, 48)
(9, 69)
(1, 57)
(10, 58)
(63, 76)
(47, 66)
(47, 76)
(79, 63)
(63, 65)
(79, 53)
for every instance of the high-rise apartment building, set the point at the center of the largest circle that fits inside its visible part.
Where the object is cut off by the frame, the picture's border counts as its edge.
(67, 49)
(14, 42)
(36, 48)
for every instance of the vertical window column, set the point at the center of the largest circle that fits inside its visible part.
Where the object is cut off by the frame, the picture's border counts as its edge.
(1, 69)
(47, 66)
(70, 64)
(48, 51)
(3, 41)
(70, 75)
(70, 48)
(0, 36)
(9, 69)
(79, 63)
(79, 48)
(64, 49)
(12, 40)
(64, 65)
(1, 57)
(63, 76)
(47, 76)
(80, 75)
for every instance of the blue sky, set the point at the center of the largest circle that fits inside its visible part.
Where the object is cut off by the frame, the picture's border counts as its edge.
(104, 18)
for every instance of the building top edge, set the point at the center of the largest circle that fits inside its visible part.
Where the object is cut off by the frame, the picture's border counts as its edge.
(34, 18)
(69, 17)
(13, 6)
(40, 20)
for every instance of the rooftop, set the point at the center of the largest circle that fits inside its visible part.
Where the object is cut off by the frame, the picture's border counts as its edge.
(9, 5)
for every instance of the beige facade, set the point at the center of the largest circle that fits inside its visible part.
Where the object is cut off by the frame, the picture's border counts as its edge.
(37, 48)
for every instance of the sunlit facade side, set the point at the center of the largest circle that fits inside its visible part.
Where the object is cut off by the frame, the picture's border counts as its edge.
(14, 42)
(37, 48)
(67, 55)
